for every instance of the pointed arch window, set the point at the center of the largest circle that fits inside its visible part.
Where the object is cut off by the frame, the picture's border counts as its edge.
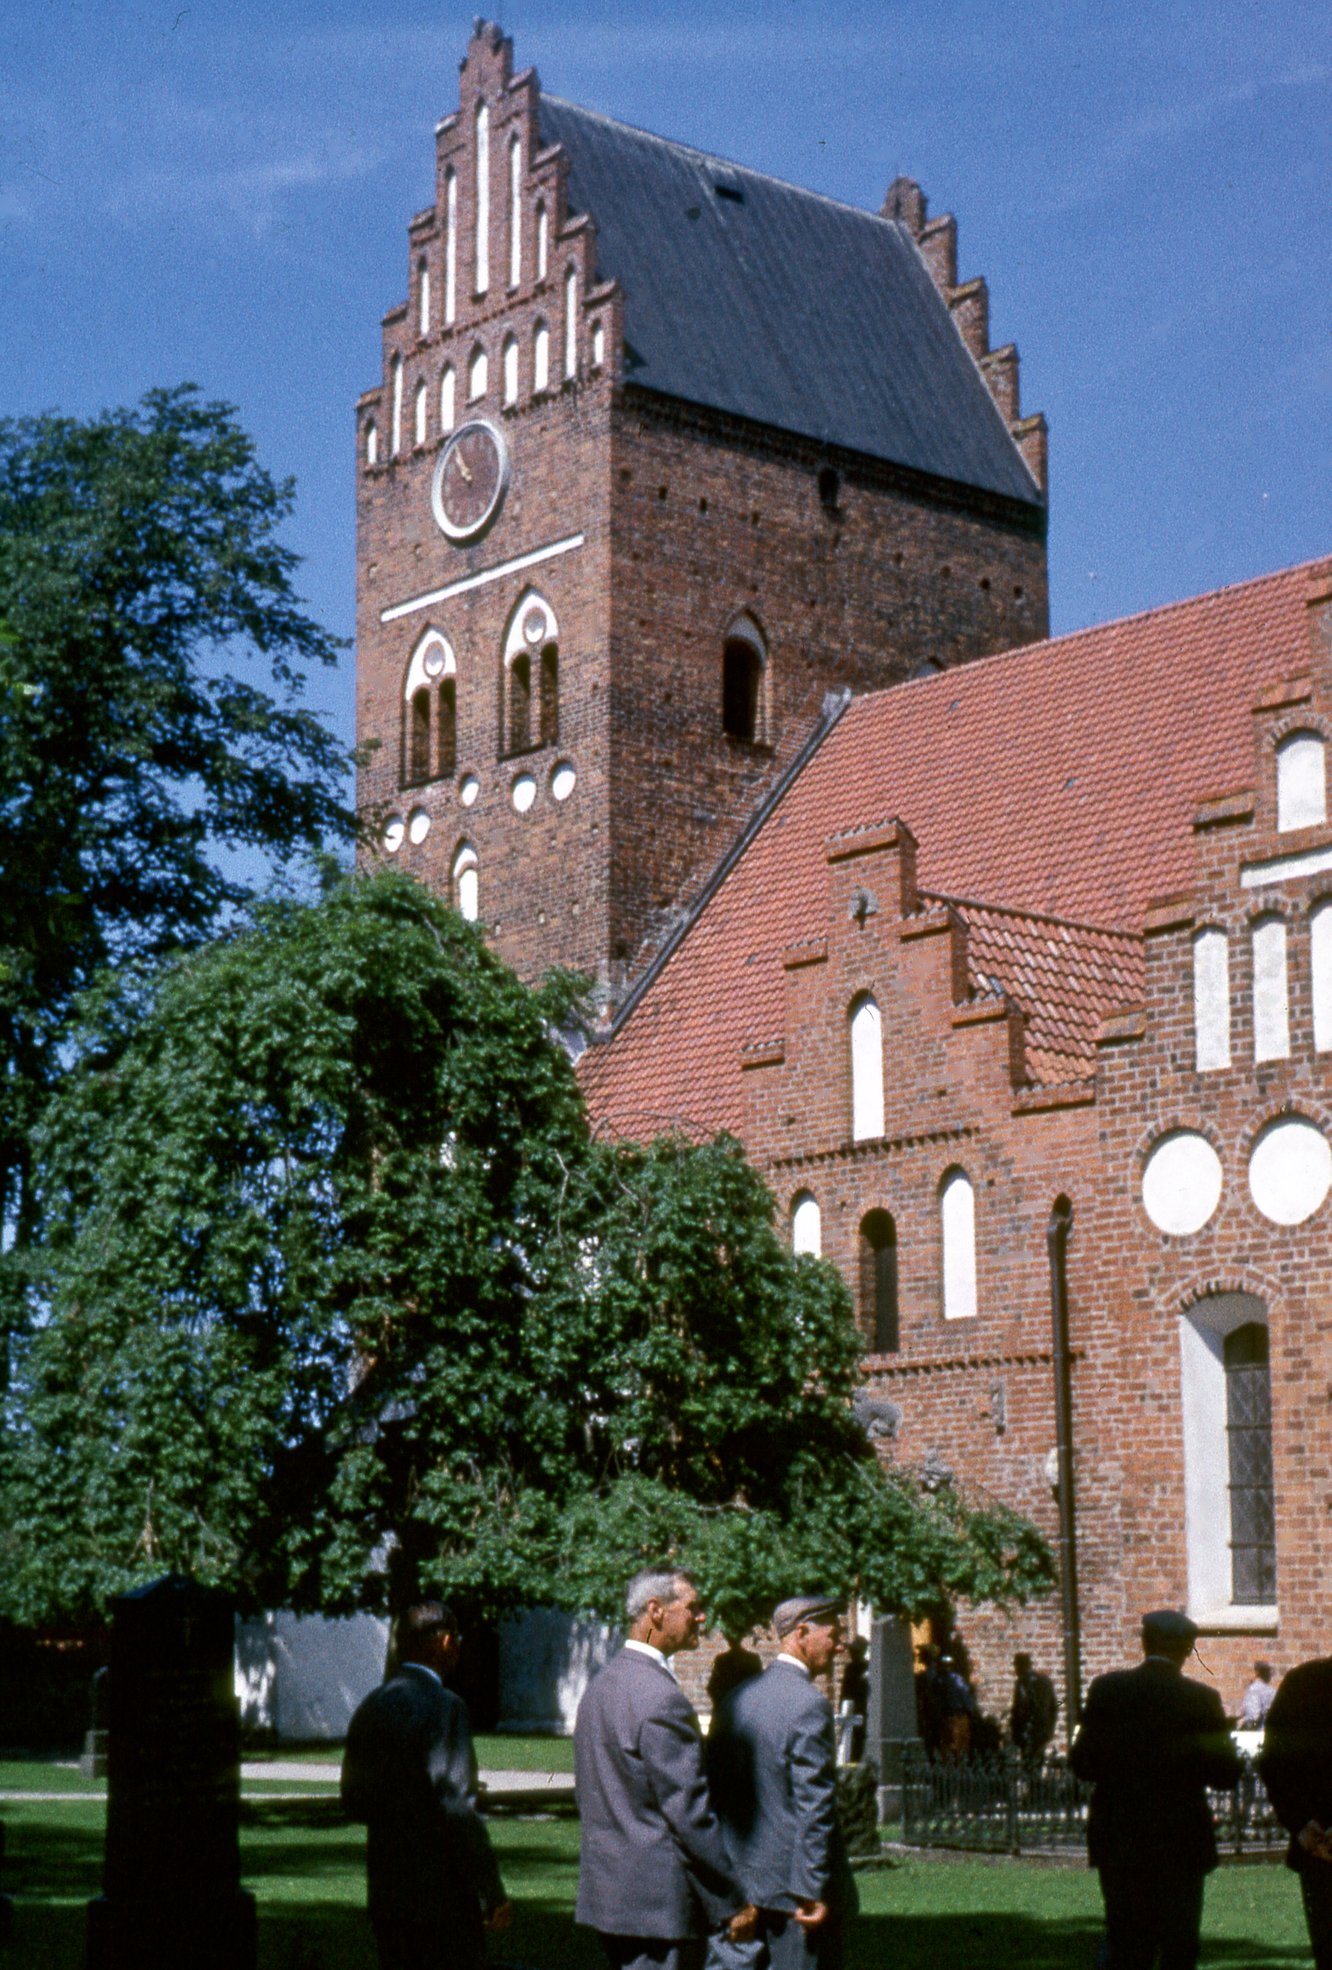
(542, 242)
(429, 722)
(395, 438)
(957, 1216)
(371, 444)
(419, 415)
(571, 322)
(482, 198)
(448, 391)
(423, 294)
(531, 675)
(540, 358)
(515, 210)
(466, 882)
(806, 1225)
(478, 374)
(510, 367)
(745, 680)
(878, 1281)
(1271, 994)
(450, 247)
(866, 1033)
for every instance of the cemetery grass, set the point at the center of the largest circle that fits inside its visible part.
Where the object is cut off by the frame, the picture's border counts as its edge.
(304, 1865)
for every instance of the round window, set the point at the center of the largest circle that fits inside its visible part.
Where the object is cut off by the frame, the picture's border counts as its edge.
(1181, 1183)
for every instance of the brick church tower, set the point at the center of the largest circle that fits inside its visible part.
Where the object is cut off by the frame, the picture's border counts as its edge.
(665, 453)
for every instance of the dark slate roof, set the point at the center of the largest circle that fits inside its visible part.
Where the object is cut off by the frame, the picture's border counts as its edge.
(755, 297)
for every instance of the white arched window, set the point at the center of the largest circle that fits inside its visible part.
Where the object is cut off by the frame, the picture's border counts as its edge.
(541, 358)
(1211, 1000)
(745, 680)
(806, 1225)
(466, 883)
(423, 294)
(450, 246)
(395, 443)
(1301, 782)
(448, 384)
(543, 242)
(482, 198)
(510, 369)
(1320, 967)
(419, 415)
(866, 1070)
(1229, 1494)
(957, 1219)
(1271, 1017)
(531, 674)
(598, 345)
(571, 322)
(371, 444)
(515, 211)
(477, 375)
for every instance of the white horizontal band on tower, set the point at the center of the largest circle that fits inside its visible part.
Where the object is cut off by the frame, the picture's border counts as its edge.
(497, 573)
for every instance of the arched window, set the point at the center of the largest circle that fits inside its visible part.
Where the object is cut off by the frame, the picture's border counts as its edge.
(477, 374)
(878, 1281)
(395, 444)
(1271, 1017)
(482, 198)
(866, 1069)
(1301, 782)
(744, 680)
(450, 246)
(806, 1225)
(466, 883)
(419, 415)
(1211, 1000)
(541, 358)
(418, 754)
(510, 369)
(423, 294)
(531, 674)
(448, 384)
(598, 345)
(571, 322)
(543, 242)
(1320, 967)
(515, 210)
(428, 737)
(371, 444)
(448, 727)
(1229, 1495)
(957, 1217)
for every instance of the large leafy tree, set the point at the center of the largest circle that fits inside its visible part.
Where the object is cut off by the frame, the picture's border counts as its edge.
(150, 713)
(344, 1298)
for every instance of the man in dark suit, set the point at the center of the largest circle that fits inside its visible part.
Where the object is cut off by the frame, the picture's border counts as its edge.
(1296, 1768)
(1153, 1741)
(654, 1878)
(409, 1771)
(772, 1766)
(1031, 1717)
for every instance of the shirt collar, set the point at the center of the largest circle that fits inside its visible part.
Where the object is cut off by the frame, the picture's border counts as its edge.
(646, 1648)
(794, 1662)
(424, 1669)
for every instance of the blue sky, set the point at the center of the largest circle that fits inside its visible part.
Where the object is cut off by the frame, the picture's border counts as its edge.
(220, 192)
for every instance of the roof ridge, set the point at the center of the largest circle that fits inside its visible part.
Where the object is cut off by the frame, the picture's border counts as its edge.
(729, 163)
(1035, 916)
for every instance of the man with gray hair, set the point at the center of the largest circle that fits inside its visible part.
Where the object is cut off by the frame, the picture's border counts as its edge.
(772, 1764)
(654, 1878)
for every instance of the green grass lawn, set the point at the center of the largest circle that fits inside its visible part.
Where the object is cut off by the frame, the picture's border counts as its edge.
(304, 1865)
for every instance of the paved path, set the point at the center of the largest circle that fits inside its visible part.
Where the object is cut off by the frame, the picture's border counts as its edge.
(503, 1787)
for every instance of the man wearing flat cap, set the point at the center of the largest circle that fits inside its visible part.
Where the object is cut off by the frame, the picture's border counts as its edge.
(1153, 1740)
(773, 1772)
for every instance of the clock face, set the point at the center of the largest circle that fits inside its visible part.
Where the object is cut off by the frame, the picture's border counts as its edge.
(470, 480)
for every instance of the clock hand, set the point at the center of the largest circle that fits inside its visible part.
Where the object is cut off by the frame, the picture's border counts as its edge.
(461, 464)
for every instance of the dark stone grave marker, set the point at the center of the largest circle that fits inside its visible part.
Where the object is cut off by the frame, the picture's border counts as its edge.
(172, 1898)
(891, 1724)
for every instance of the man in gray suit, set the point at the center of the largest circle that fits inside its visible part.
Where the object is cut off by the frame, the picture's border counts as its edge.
(654, 1878)
(409, 1771)
(772, 1766)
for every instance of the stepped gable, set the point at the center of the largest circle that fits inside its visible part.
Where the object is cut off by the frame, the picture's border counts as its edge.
(727, 276)
(1057, 780)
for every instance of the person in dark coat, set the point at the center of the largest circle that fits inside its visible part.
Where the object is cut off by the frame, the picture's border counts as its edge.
(1296, 1768)
(655, 1879)
(1152, 1741)
(409, 1771)
(772, 1766)
(1032, 1714)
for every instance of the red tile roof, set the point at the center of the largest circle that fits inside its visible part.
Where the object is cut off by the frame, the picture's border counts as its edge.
(1057, 780)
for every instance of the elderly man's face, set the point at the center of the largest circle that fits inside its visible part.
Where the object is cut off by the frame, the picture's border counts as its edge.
(678, 1623)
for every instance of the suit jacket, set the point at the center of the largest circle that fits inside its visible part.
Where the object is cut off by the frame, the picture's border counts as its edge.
(409, 1771)
(1296, 1763)
(773, 1771)
(653, 1862)
(1153, 1740)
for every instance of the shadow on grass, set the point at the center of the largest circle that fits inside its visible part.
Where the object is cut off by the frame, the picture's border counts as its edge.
(1012, 1941)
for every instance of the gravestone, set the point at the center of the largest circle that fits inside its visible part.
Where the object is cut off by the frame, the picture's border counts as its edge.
(891, 1722)
(93, 1762)
(172, 1898)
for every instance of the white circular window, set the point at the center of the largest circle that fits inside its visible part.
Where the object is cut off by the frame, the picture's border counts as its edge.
(563, 780)
(1181, 1184)
(534, 625)
(418, 824)
(468, 788)
(1290, 1170)
(434, 661)
(524, 792)
(394, 830)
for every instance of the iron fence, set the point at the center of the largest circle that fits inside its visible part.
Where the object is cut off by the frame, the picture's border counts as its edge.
(1007, 1806)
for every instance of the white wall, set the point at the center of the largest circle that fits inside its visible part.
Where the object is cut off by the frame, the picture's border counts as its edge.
(301, 1676)
(547, 1660)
